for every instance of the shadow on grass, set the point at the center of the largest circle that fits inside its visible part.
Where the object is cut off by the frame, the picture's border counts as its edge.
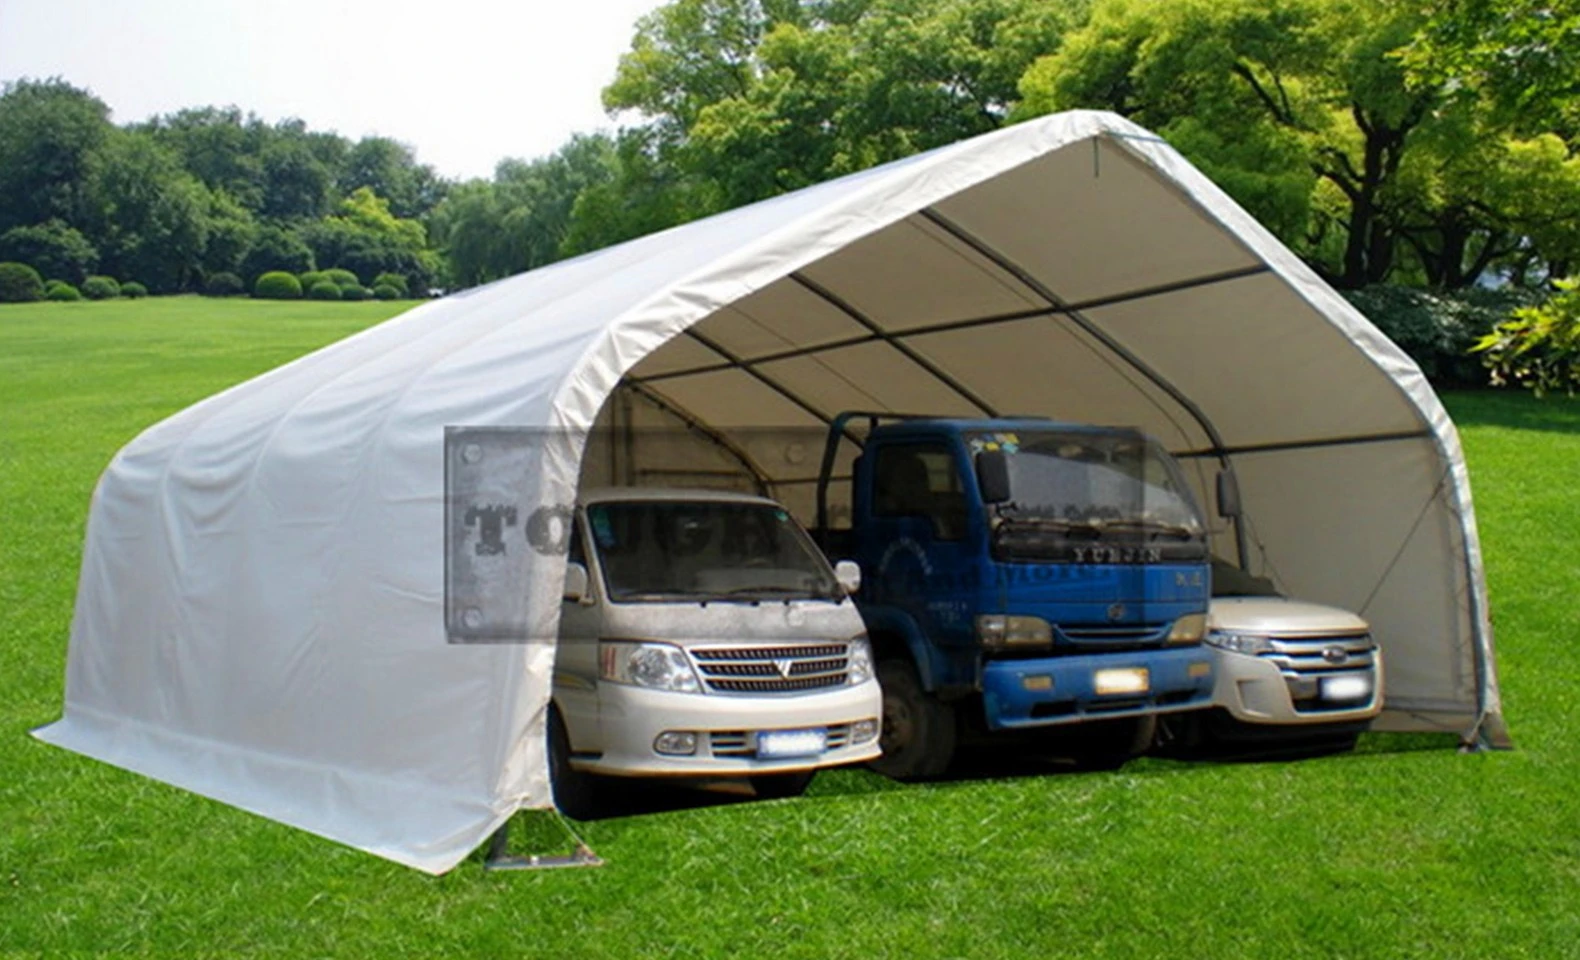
(988, 762)
(1513, 409)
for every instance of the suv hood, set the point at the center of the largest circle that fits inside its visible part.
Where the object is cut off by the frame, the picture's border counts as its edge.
(1280, 617)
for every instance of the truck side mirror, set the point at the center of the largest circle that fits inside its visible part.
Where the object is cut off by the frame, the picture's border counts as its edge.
(575, 583)
(848, 573)
(1228, 495)
(993, 476)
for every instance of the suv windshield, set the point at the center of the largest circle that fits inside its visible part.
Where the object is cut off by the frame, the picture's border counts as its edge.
(1070, 491)
(705, 550)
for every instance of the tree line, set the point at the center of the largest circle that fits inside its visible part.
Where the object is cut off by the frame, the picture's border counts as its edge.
(1423, 143)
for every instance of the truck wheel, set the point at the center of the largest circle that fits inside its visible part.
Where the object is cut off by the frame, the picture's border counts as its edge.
(1110, 744)
(782, 786)
(576, 793)
(918, 737)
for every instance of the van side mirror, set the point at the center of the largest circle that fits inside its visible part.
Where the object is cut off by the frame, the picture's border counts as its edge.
(1228, 495)
(848, 573)
(575, 583)
(993, 476)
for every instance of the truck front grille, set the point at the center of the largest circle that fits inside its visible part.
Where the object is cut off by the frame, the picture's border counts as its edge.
(794, 669)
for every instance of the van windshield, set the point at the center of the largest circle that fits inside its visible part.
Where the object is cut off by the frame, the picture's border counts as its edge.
(706, 550)
(1070, 491)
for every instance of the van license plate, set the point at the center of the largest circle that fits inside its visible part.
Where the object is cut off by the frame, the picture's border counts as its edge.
(772, 744)
(1121, 680)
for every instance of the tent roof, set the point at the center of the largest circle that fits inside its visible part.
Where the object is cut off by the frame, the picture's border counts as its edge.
(260, 616)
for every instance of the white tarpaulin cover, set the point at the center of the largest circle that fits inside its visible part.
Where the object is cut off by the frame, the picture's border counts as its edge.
(261, 612)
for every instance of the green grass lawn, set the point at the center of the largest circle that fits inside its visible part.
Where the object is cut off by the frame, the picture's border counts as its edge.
(1403, 849)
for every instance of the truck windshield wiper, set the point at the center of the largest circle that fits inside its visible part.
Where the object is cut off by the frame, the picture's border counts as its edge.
(1157, 527)
(1086, 528)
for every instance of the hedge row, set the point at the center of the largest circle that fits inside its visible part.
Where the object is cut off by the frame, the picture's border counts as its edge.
(20, 283)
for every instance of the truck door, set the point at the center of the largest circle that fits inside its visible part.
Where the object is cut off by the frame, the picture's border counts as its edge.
(921, 555)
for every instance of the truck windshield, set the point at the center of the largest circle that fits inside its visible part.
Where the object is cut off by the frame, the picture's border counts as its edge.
(1119, 492)
(679, 550)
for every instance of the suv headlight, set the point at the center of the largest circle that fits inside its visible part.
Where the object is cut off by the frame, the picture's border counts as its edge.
(858, 661)
(1246, 643)
(657, 666)
(998, 632)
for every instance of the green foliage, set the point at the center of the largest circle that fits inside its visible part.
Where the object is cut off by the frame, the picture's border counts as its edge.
(1539, 347)
(20, 283)
(355, 292)
(53, 248)
(1438, 330)
(325, 290)
(132, 290)
(61, 292)
(341, 278)
(147, 215)
(312, 278)
(277, 285)
(49, 132)
(224, 284)
(277, 248)
(385, 291)
(392, 280)
(101, 288)
(364, 238)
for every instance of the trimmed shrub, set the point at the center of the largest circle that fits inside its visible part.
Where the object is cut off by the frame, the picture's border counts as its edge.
(133, 290)
(61, 291)
(391, 280)
(224, 284)
(358, 292)
(101, 288)
(342, 278)
(277, 285)
(20, 283)
(312, 278)
(324, 290)
(385, 291)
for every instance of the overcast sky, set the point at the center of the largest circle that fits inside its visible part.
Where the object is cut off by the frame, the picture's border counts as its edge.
(465, 82)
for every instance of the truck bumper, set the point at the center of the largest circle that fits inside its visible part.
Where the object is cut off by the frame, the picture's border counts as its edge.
(727, 731)
(1053, 690)
(1256, 691)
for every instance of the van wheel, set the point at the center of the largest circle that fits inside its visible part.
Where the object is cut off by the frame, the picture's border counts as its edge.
(576, 793)
(1110, 744)
(918, 737)
(782, 786)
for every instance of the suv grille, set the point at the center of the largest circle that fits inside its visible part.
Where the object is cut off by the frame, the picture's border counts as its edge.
(1306, 661)
(772, 669)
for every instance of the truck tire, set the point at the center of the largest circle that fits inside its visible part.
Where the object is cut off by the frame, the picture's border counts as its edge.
(782, 786)
(576, 793)
(1110, 744)
(918, 736)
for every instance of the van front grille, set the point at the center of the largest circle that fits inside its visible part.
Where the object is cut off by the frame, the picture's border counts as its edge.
(785, 669)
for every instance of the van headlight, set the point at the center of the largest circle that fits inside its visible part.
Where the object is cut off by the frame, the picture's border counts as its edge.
(858, 661)
(1247, 643)
(657, 666)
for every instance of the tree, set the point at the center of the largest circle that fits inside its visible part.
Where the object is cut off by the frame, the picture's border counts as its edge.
(220, 147)
(276, 249)
(296, 180)
(145, 213)
(232, 232)
(1539, 347)
(49, 130)
(54, 249)
(391, 170)
(367, 239)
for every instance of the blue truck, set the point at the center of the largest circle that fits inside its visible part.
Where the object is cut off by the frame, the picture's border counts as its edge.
(1021, 575)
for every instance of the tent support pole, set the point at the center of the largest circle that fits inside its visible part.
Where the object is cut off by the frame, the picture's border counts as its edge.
(1097, 333)
(498, 859)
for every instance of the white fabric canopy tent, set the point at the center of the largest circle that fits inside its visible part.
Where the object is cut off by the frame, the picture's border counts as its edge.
(261, 612)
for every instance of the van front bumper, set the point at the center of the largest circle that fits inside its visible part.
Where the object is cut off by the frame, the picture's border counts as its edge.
(728, 730)
(1054, 690)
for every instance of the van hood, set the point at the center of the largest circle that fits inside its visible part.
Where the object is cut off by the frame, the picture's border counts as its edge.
(698, 624)
(1280, 617)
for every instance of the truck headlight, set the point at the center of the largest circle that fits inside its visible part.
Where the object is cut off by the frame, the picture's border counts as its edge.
(1246, 643)
(657, 666)
(999, 632)
(1189, 628)
(858, 661)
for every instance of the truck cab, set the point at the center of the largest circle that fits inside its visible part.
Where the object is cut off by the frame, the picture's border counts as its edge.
(704, 637)
(1029, 573)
